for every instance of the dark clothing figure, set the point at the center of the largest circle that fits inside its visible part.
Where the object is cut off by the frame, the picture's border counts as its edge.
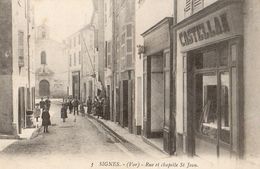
(48, 104)
(46, 120)
(76, 105)
(42, 104)
(70, 106)
(64, 112)
(82, 110)
(89, 105)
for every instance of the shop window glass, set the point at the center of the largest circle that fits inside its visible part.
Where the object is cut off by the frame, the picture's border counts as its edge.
(234, 52)
(223, 55)
(224, 108)
(206, 60)
(206, 104)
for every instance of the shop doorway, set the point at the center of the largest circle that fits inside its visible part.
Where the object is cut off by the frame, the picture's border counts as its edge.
(153, 98)
(44, 88)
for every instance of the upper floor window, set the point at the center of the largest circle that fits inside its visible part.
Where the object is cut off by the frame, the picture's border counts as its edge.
(193, 6)
(21, 48)
(43, 58)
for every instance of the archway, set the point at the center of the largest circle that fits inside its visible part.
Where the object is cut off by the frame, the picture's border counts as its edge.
(44, 88)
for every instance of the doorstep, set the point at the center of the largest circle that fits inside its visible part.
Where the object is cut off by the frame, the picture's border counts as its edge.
(156, 143)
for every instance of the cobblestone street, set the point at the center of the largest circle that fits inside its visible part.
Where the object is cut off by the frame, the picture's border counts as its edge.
(81, 140)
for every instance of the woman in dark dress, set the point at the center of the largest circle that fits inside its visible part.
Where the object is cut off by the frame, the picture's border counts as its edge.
(63, 112)
(46, 120)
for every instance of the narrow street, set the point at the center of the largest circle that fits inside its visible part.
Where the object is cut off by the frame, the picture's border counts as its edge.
(80, 139)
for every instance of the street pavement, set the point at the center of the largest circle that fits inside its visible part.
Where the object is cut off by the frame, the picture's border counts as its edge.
(70, 141)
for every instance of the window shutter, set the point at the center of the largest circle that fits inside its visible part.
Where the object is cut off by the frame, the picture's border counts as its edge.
(197, 5)
(188, 5)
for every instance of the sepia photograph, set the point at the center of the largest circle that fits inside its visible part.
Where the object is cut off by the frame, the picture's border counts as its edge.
(129, 84)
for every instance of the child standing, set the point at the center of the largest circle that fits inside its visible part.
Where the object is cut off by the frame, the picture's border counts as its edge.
(46, 120)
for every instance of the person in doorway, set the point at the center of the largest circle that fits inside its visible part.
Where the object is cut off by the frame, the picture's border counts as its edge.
(89, 105)
(37, 114)
(46, 119)
(42, 104)
(75, 106)
(63, 111)
(48, 103)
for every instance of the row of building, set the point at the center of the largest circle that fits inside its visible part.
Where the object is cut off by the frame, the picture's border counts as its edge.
(32, 65)
(182, 73)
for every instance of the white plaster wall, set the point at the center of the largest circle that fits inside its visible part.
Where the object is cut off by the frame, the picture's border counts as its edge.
(149, 13)
(19, 79)
(251, 78)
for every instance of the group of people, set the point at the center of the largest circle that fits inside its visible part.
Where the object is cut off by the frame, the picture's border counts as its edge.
(73, 105)
(42, 110)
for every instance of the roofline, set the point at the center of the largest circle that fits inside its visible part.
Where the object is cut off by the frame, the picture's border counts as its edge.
(157, 25)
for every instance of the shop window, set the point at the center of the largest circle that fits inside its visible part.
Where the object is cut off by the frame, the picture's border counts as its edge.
(206, 104)
(223, 55)
(224, 108)
(206, 60)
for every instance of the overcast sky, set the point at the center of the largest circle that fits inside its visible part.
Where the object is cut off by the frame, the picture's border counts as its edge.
(64, 17)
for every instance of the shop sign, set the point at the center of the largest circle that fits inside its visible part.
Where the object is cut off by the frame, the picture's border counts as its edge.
(219, 25)
(206, 30)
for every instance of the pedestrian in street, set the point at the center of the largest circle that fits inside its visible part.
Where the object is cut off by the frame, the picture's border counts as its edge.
(81, 108)
(76, 106)
(37, 113)
(89, 105)
(46, 119)
(70, 105)
(42, 104)
(63, 112)
(48, 103)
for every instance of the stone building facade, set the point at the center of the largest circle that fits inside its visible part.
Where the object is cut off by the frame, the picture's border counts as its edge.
(16, 75)
(50, 65)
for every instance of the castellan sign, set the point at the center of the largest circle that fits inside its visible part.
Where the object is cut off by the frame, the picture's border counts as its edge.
(208, 29)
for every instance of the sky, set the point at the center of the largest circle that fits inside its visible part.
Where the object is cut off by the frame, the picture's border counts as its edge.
(64, 17)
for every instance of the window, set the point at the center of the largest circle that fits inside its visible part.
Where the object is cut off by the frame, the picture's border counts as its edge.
(20, 49)
(74, 41)
(79, 40)
(74, 59)
(70, 60)
(193, 6)
(43, 58)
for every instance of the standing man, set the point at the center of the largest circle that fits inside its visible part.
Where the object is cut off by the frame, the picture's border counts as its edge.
(48, 104)
(76, 105)
(89, 105)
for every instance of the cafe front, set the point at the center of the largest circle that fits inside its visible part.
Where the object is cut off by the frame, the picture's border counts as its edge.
(209, 82)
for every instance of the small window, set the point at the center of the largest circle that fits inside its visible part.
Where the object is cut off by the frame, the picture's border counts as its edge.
(21, 48)
(75, 59)
(43, 58)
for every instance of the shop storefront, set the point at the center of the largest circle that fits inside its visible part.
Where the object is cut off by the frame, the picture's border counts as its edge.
(209, 81)
(157, 86)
